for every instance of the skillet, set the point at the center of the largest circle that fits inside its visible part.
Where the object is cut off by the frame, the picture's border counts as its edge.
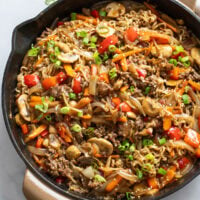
(25, 34)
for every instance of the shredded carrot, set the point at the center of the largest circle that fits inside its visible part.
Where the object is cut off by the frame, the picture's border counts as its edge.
(69, 70)
(86, 92)
(83, 102)
(39, 161)
(154, 11)
(87, 19)
(124, 65)
(50, 37)
(24, 128)
(77, 68)
(36, 132)
(67, 139)
(124, 88)
(86, 117)
(118, 51)
(94, 150)
(168, 25)
(116, 101)
(123, 119)
(170, 174)
(195, 85)
(153, 183)
(131, 139)
(182, 90)
(149, 50)
(36, 98)
(126, 54)
(175, 110)
(110, 186)
(114, 156)
(167, 123)
(84, 124)
(34, 103)
(172, 153)
(39, 61)
(49, 82)
(75, 27)
(104, 77)
(39, 142)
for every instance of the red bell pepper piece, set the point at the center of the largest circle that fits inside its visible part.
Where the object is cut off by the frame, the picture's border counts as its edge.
(183, 162)
(76, 85)
(177, 55)
(130, 34)
(60, 23)
(39, 142)
(59, 180)
(192, 138)
(141, 72)
(110, 40)
(95, 13)
(44, 133)
(174, 133)
(124, 107)
(61, 77)
(30, 80)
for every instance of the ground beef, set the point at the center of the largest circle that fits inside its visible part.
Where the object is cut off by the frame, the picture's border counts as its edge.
(103, 88)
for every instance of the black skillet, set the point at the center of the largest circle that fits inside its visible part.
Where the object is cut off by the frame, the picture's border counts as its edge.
(25, 34)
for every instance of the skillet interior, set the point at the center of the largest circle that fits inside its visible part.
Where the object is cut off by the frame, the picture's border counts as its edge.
(25, 34)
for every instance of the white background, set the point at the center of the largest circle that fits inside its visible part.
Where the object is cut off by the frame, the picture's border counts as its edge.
(13, 12)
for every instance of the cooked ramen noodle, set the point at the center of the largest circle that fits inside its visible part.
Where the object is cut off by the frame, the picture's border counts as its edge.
(108, 101)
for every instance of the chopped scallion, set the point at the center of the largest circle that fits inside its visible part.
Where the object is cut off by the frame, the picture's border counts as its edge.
(64, 110)
(34, 51)
(76, 128)
(147, 142)
(72, 95)
(162, 141)
(186, 99)
(113, 73)
(162, 171)
(73, 16)
(102, 13)
(112, 48)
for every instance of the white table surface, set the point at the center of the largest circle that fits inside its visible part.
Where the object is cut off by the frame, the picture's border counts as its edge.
(13, 12)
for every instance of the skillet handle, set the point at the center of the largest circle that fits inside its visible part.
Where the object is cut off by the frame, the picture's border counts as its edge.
(34, 189)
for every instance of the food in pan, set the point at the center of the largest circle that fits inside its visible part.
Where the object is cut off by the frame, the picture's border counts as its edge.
(108, 101)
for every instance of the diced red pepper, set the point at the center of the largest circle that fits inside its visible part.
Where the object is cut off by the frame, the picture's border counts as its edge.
(60, 23)
(44, 133)
(24, 128)
(141, 72)
(192, 138)
(124, 107)
(174, 133)
(130, 34)
(116, 101)
(39, 142)
(177, 55)
(30, 80)
(94, 70)
(110, 40)
(61, 77)
(95, 13)
(174, 73)
(76, 85)
(183, 162)
(59, 180)
(146, 119)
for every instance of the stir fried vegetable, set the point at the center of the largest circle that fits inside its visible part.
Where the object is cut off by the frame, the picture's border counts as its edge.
(108, 103)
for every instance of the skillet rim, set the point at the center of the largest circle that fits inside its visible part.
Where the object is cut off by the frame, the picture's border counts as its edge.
(39, 174)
